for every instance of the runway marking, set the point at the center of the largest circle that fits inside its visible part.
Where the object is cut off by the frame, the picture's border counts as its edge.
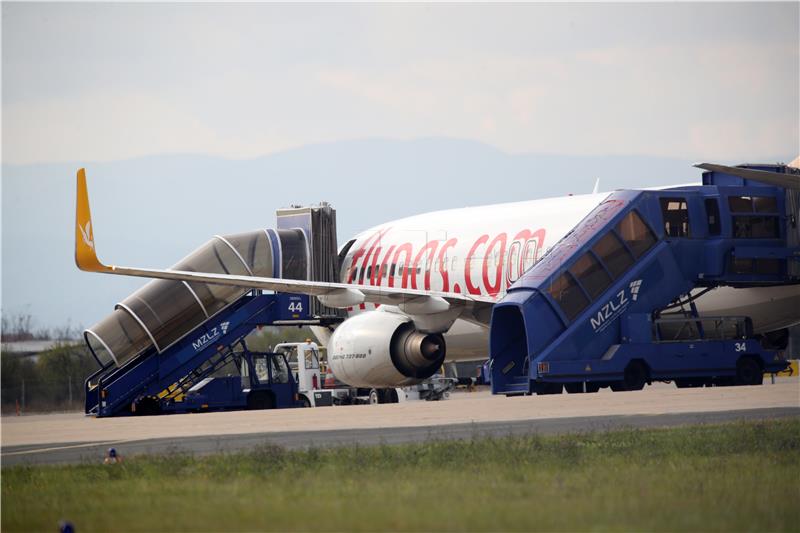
(84, 445)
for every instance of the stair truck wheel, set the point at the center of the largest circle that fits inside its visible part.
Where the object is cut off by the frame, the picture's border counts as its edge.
(304, 401)
(541, 388)
(147, 406)
(748, 371)
(636, 374)
(257, 400)
(591, 386)
(634, 378)
(574, 388)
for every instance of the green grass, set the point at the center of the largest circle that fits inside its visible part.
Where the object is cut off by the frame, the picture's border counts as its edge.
(738, 477)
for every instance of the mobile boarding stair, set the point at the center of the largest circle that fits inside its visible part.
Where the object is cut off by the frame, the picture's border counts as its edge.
(156, 381)
(614, 302)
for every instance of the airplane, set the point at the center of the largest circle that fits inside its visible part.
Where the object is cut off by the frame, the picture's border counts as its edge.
(420, 290)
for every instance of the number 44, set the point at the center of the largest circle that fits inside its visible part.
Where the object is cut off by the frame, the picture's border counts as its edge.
(296, 307)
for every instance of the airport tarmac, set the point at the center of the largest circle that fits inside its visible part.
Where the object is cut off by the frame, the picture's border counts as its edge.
(71, 437)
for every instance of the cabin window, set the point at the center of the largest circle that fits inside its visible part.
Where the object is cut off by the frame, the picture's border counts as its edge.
(513, 261)
(613, 254)
(636, 234)
(568, 295)
(591, 275)
(675, 213)
(712, 215)
(529, 253)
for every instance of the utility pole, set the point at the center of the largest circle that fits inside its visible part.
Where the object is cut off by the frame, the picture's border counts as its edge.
(23, 395)
(70, 390)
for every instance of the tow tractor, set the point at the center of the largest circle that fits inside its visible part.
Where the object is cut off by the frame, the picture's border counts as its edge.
(317, 387)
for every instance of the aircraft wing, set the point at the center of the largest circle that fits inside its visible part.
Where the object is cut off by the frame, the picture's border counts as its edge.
(475, 308)
(788, 181)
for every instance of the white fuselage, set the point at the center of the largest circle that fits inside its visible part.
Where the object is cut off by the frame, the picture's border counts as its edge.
(483, 250)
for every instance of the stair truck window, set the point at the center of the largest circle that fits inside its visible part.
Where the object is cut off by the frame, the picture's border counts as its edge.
(675, 213)
(740, 204)
(765, 204)
(712, 215)
(568, 295)
(616, 258)
(591, 275)
(756, 227)
(753, 204)
(748, 226)
(636, 234)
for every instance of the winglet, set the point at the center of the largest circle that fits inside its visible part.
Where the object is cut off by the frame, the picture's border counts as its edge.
(85, 253)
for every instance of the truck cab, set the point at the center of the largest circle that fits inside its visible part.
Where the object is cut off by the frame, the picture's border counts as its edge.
(303, 359)
(265, 382)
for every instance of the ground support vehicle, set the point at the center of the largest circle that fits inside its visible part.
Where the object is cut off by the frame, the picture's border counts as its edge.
(614, 302)
(306, 365)
(179, 377)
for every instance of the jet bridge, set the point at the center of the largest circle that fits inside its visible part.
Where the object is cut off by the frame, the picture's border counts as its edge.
(614, 302)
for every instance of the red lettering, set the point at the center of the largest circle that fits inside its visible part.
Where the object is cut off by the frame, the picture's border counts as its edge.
(427, 267)
(526, 237)
(493, 289)
(385, 265)
(407, 249)
(360, 252)
(371, 249)
(374, 266)
(443, 267)
(472, 289)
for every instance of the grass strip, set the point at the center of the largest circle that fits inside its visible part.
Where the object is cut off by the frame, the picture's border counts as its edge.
(733, 477)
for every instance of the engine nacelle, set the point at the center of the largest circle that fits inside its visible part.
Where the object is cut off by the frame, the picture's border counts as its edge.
(383, 349)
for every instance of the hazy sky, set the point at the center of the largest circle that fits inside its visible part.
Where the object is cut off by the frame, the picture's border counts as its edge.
(99, 82)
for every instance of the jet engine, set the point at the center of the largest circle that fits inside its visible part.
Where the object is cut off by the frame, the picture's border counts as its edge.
(381, 348)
